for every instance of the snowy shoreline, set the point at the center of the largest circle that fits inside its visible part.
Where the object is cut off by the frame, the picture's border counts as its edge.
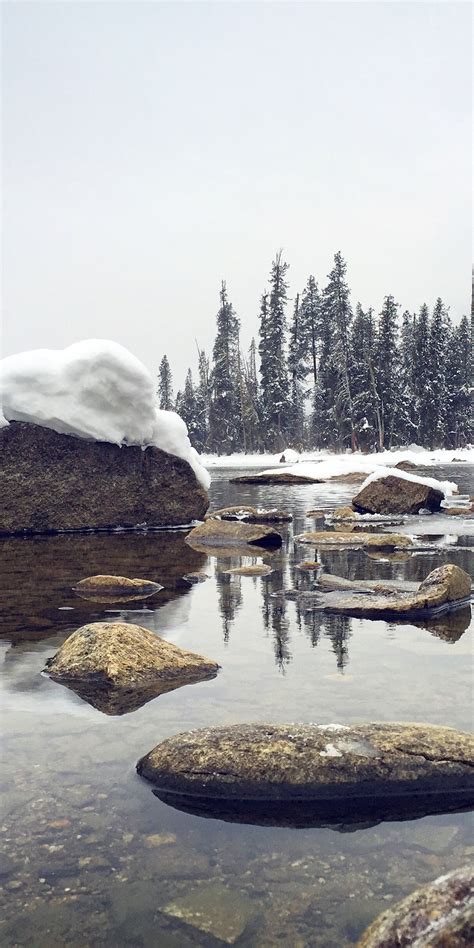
(354, 461)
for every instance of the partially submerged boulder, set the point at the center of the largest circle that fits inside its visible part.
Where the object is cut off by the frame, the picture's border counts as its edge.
(438, 915)
(246, 514)
(51, 482)
(392, 494)
(275, 477)
(121, 665)
(259, 569)
(357, 540)
(221, 533)
(405, 466)
(343, 513)
(115, 588)
(444, 589)
(259, 772)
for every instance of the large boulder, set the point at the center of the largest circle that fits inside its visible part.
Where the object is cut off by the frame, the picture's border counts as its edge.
(438, 915)
(392, 494)
(115, 665)
(51, 482)
(331, 770)
(222, 533)
(275, 477)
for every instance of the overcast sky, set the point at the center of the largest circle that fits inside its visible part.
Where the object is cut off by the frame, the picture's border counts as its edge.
(152, 149)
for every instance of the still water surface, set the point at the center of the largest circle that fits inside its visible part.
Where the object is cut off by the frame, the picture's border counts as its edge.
(93, 858)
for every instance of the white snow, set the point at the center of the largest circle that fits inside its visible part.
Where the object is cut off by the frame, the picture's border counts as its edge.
(366, 462)
(96, 390)
(446, 487)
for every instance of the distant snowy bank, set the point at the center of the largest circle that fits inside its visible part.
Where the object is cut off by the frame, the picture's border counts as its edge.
(96, 390)
(352, 462)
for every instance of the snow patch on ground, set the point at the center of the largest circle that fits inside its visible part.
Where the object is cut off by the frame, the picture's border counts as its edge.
(96, 390)
(413, 453)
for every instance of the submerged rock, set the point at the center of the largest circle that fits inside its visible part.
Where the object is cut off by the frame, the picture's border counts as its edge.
(246, 514)
(114, 665)
(259, 569)
(214, 910)
(438, 915)
(112, 588)
(52, 482)
(443, 590)
(217, 533)
(392, 494)
(276, 477)
(385, 541)
(194, 578)
(309, 565)
(311, 774)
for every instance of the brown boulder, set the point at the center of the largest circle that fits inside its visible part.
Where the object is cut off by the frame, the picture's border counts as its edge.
(112, 588)
(222, 533)
(285, 477)
(384, 541)
(343, 513)
(392, 494)
(438, 915)
(449, 582)
(124, 665)
(259, 569)
(405, 466)
(51, 482)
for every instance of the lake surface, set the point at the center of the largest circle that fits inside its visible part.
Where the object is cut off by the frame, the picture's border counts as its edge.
(93, 858)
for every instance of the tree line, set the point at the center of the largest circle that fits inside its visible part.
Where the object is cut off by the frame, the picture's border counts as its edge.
(328, 376)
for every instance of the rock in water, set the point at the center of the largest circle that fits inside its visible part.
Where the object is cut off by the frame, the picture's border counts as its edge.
(215, 533)
(332, 771)
(285, 477)
(122, 666)
(392, 494)
(438, 915)
(259, 569)
(356, 539)
(115, 588)
(51, 482)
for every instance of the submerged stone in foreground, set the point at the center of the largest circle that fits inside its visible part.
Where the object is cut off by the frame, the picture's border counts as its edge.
(438, 915)
(51, 482)
(332, 772)
(118, 667)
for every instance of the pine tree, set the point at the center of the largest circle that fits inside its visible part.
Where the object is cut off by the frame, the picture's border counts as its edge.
(336, 320)
(224, 415)
(439, 332)
(297, 355)
(459, 386)
(406, 423)
(364, 393)
(165, 385)
(202, 403)
(186, 407)
(421, 376)
(273, 363)
(311, 324)
(387, 372)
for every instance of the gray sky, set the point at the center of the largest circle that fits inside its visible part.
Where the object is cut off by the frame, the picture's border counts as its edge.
(152, 149)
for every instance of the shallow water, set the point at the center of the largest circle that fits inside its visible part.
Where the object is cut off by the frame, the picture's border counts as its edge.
(92, 857)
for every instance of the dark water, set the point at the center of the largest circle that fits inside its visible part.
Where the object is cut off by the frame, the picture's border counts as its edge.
(92, 857)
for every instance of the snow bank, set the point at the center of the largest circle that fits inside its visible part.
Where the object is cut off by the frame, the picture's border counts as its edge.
(97, 390)
(413, 453)
(446, 487)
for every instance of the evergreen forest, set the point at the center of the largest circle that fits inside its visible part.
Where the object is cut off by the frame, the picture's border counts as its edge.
(324, 374)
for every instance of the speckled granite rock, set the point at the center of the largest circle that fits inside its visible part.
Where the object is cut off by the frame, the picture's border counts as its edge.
(112, 588)
(115, 664)
(51, 482)
(394, 494)
(438, 915)
(215, 533)
(258, 762)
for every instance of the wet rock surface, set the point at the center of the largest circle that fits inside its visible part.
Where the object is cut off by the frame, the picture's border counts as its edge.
(443, 589)
(246, 514)
(118, 666)
(355, 538)
(215, 533)
(258, 569)
(392, 494)
(439, 915)
(301, 763)
(275, 478)
(51, 482)
(112, 588)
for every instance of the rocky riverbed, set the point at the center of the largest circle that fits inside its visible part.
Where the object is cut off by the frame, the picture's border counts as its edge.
(94, 858)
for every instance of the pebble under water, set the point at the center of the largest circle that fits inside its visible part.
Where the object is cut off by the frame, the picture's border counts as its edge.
(91, 857)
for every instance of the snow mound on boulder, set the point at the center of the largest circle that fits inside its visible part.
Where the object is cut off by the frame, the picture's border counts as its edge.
(446, 487)
(96, 390)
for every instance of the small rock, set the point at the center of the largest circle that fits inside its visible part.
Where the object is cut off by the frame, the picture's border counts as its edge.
(111, 588)
(356, 539)
(159, 839)
(260, 569)
(308, 565)
(198, 577)
(214, 910)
